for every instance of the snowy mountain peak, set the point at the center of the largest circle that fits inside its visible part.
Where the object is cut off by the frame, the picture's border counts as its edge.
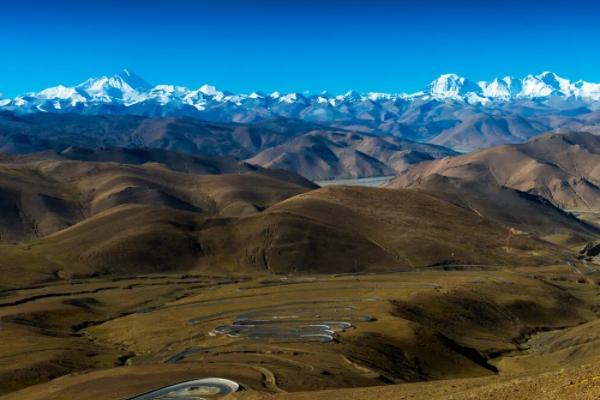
(58, 92)
(503, 89)
(544, 85)
(291, 98)
(209, 90)
(351, 94)
(133, 80)
(256, 95)
(451, 86)
(125, 87)
(556, 82)
(549, 75)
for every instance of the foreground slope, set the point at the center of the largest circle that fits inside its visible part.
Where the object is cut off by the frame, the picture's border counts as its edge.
(520, 333)
(43, 193)
(330, 230)
(344, 229)
(223, 230)
(177, 267)
(90, 217)
(120, 212)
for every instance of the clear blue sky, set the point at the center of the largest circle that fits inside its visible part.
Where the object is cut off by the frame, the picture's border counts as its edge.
(337, 45)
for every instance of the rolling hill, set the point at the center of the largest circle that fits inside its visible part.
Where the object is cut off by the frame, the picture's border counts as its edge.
(563, 168)
(312, 150)
(323, 155)
(47, 192)
(350, 229)
(519, 210)
(123, 212)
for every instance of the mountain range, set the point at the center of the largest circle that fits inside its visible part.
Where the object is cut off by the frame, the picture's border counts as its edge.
(310, 149)
(451, 111)
(128, 89)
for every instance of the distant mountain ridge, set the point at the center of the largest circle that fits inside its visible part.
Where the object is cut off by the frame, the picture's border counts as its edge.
(324, 155)
(128, 89)
(545, 85)
(318, 152)
(452, 111)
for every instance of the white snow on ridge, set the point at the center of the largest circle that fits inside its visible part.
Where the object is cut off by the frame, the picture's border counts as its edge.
(109, 89)
(544, 85)
(449, 86)
(535, 87)
(290, 98)
(127, 89)
(498, 88)
(209, 90)
(57, 92)
(587, 90)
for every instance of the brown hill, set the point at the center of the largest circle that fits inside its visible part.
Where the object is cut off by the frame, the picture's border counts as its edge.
(344, 229)
(482, 130)
(117, 218)
(329, 230)
(182, 162)
(563, 168)
(307, 148)
(32, 205)
(323, 155)
(41, 194)
(523, 211)
(21, 134)
(111, 218)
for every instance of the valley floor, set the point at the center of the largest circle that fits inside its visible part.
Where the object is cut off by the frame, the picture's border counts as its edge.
(523, 333)
(377, 181)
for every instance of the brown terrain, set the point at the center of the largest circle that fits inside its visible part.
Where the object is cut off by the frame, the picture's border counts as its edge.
(125, 270)
(104, 217)
(323, 155)
(563, 168)
(312, 150)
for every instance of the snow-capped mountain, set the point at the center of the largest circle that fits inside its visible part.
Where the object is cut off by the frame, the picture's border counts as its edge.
(128, 90)
(542, 86)
(452, 110)
(451, 86)
(125, 87)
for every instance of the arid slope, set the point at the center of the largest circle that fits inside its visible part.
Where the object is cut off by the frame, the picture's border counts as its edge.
(563, 168)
